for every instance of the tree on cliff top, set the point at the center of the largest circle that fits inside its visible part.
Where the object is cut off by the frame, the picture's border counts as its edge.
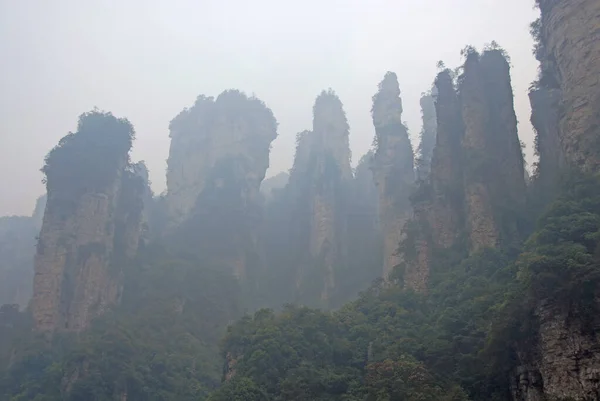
(91, 157)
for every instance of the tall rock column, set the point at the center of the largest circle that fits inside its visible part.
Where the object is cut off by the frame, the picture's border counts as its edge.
(571, 41)
(78, 274)
(493, 160)
(393, 168)
(428, 134)
(332, 150)
(218, 158)
(481, 226)
(446, 178)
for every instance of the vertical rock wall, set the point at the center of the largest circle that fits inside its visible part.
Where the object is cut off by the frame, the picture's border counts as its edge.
(17, 249)
(570, 37)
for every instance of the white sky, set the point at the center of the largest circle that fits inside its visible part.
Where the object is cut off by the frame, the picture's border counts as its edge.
(146, 60)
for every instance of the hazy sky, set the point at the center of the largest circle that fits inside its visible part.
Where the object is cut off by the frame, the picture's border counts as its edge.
(146, 60)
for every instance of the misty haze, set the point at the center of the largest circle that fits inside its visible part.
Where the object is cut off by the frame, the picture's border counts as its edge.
(268, 201)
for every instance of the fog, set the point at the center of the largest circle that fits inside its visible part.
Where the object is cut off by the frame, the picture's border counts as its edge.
(147, 60)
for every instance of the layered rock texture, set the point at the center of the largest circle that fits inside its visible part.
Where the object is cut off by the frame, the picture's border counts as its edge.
(91, 225)
(563, 361)
(17, 249)
(218, 158)
(393, 168)
(569, 49)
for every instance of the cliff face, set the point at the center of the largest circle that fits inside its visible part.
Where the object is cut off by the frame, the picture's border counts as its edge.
(564, 362)
(545, 116)
(393, 168)
(564, 358)
(88, 227)
(218, 158)
(571, 45)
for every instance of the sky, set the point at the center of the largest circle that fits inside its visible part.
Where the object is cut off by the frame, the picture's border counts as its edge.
(147, 59)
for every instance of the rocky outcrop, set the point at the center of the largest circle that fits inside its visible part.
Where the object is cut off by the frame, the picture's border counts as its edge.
(218, 158)
(393, 168)
(91, 224)
(570, 42)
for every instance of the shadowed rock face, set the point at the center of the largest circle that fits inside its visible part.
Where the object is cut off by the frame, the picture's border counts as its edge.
(428, 134)
(482, 228)
(446, 177)
(545, 116)
(570, 36)
(91, 224)
(393, 168)
(493, 161)
(17, 249)
(219, 150)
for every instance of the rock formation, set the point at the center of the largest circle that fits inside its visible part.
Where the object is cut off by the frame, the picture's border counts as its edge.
(446, 178)
(324, 154)
(545, 116)
(570, 53)
(563, 361)
(481, 225)
(274, 184)
(393, 168)
(428, 134)
(307, 227)
(91, 224)
(17, 249)
(493, 161)
(218, 158)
